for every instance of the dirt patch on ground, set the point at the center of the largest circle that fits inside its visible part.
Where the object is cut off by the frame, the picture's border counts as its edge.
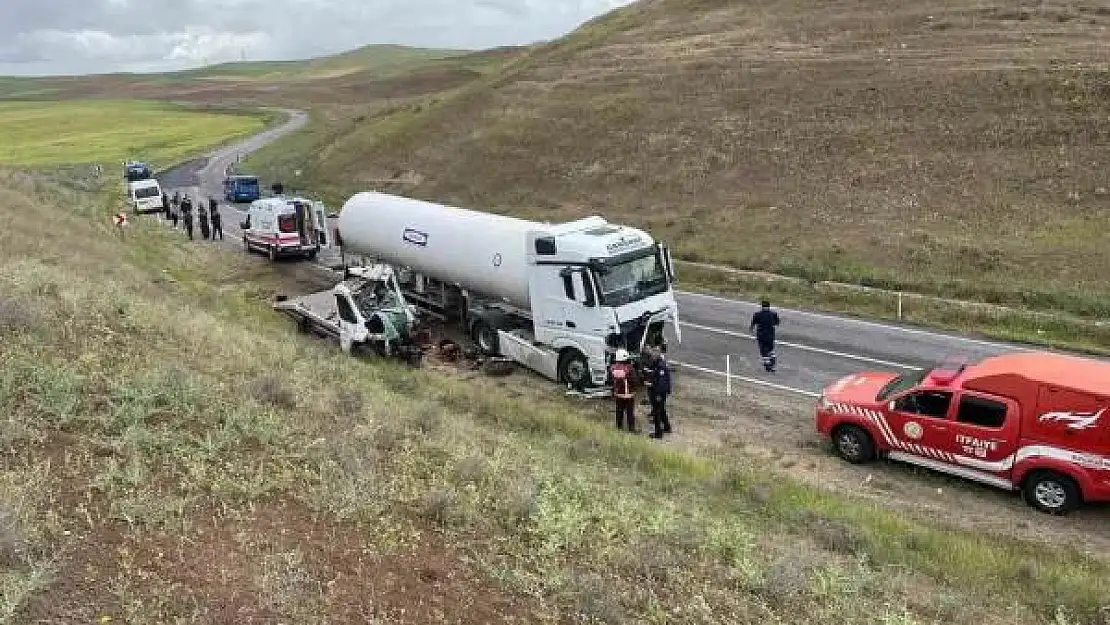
(276, 562)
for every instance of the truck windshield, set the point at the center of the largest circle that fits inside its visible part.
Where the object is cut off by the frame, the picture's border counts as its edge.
(901, 383)
(143, 193)
(632, 280)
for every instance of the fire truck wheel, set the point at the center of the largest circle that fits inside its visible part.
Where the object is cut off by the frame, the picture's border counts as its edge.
(854, 444)
(1051, 492)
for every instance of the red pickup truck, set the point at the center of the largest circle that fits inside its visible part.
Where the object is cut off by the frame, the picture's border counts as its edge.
(1035, 422)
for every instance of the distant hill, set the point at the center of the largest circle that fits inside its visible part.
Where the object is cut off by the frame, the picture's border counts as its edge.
(358, 76)
(378, 58)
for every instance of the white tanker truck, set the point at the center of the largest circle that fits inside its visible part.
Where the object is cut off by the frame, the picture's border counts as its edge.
(556, 298)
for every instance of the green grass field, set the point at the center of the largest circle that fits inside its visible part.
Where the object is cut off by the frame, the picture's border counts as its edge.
(112, 131)
(174, 451)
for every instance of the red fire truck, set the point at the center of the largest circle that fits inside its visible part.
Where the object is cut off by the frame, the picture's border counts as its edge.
(1035, 422)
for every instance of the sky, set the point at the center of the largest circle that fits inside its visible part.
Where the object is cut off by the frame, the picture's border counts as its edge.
(51, 37)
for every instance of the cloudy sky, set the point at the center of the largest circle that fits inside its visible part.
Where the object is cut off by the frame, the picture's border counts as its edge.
(92, 36)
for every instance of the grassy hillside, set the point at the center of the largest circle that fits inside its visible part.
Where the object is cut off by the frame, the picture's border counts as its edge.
(112, 131)
(173, 451)
(356, 82)
(954, 148)
(380, 59)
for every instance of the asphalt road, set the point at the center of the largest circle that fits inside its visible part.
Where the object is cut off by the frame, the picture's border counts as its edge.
(814, 349)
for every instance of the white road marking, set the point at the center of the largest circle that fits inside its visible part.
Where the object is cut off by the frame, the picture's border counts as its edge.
(827, 352)
(869, 324)
(780, 387)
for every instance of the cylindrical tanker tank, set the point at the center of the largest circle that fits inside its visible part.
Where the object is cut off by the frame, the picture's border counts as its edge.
(483, 253)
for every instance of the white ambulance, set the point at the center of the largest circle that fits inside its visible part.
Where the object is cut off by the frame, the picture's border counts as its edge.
(286, 226)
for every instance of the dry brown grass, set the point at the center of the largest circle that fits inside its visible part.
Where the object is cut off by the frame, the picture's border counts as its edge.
(954, 148)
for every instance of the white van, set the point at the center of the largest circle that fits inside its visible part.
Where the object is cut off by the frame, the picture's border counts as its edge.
(281, 226)
(145, 196)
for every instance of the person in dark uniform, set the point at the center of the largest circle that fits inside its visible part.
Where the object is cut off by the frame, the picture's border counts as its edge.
(658, 374)
(187, 215)
(217, 219)
(202, 220)
(764, 323)
(166, 205)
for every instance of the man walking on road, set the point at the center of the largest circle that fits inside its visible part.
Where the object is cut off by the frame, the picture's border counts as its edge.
(217, 219)
(764, 323)
(621, 372)
(659, 388)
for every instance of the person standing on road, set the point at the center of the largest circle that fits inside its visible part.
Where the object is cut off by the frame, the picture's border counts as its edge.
(624, 397)
(187, 215)
(166, 206)
(658, 375)
(202, 219)
(176, 201)
(217, 219)
(764, 323)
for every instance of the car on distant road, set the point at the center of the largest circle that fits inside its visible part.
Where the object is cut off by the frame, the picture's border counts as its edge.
(241, 188)
(1035, 422)
(134, 171)
(145, 196)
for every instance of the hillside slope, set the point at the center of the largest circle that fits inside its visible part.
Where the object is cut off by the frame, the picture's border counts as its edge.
(357, 79)
(956, 148)
(380, 59)
(173, 452)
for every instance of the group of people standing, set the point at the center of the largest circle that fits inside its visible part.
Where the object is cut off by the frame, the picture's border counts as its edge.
(655, 375)
(179, 211)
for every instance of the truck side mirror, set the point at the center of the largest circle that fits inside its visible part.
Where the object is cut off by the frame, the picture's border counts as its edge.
(668, 262)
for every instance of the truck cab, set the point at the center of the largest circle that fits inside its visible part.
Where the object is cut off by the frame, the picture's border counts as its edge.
(1034, 422)
(282, 227)
(596, 287)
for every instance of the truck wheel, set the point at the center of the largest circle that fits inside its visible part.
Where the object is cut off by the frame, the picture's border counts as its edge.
(1051, 492)
(574, 370)
(486, 338)
(854, 444)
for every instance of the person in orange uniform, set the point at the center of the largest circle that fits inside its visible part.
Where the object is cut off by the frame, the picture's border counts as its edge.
(622, 374)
